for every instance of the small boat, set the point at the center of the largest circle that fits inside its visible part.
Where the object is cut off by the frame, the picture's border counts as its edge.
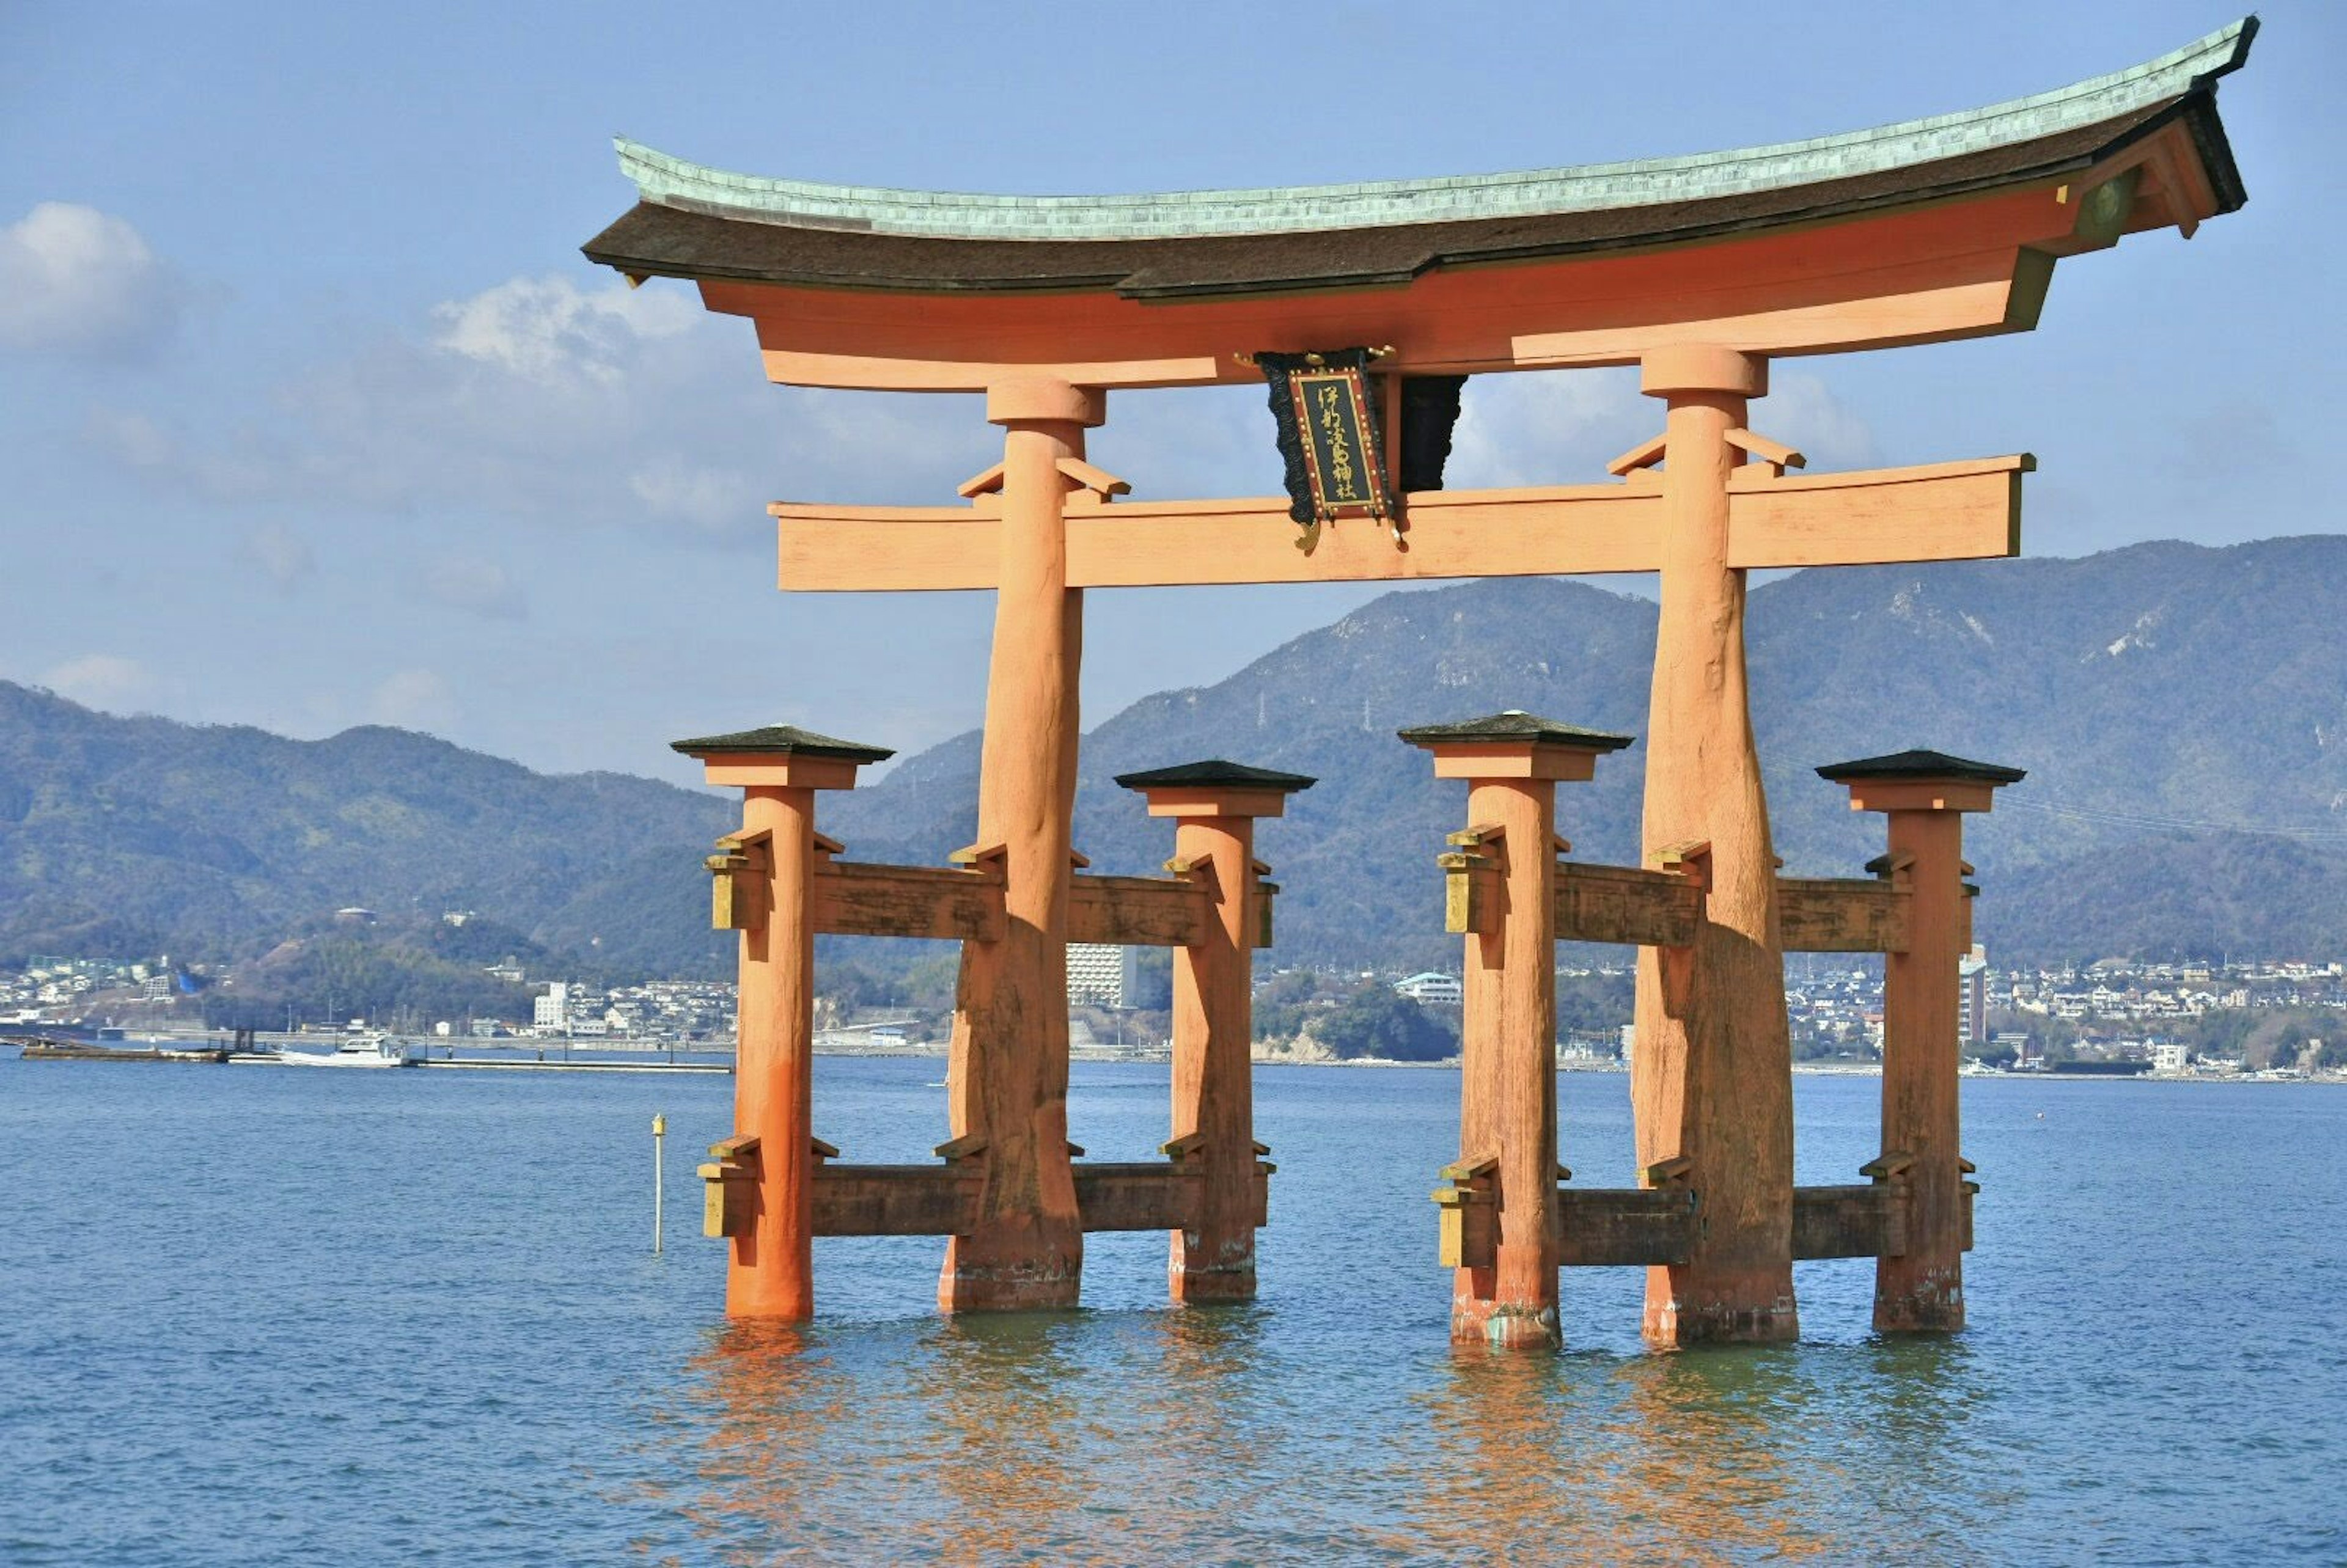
(367, 1051)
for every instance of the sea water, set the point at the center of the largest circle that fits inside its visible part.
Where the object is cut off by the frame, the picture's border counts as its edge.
(250, 1316)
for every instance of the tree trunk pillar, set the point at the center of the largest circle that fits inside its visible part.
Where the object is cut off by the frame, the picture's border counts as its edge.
(1007, 1082)
(1712, 1069)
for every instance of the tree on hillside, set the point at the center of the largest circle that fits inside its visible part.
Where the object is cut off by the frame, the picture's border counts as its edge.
(1378, 1021)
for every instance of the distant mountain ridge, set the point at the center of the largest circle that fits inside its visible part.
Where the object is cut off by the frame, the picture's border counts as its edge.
(2182, 712)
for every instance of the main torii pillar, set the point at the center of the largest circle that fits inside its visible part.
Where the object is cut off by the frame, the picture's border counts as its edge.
(1712, 1071)
(1007, 1082)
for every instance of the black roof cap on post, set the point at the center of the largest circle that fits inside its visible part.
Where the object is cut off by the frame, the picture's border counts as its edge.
(1516, 725)
(782, 740)
(1215, 774)
(1920, 765)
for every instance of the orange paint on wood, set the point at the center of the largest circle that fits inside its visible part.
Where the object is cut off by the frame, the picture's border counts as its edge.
(1943, 511)
(770, 1272)
(1923, 1288)
(1007, 1081)
(1212, 1259)
(1934, 272)
(1712, 1071)
(1507, 1092)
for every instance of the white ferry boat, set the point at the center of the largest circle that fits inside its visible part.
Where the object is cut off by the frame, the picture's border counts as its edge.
(367, 1051)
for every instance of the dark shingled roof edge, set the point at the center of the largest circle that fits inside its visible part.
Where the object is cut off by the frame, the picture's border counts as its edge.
(1517, 725)
(653, 239)
(1921, 764)
(782, 740)
(1213, 773)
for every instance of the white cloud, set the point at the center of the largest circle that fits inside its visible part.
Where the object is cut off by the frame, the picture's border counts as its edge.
(475, 585)
(550, 402)
(412, 699)
(550, 331)
(101, 680)
(279, 554)
(74, 280)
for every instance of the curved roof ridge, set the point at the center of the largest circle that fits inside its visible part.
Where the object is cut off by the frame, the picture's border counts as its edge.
(666, 181)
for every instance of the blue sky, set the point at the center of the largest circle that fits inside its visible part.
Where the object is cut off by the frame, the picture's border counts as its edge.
(312, 415)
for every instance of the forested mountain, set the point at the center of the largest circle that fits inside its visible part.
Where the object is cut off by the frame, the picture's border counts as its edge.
(2181, 711)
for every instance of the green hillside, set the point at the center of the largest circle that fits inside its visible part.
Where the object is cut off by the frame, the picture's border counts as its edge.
(2181, 711)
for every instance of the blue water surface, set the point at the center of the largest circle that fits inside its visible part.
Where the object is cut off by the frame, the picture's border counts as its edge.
(255, 1316)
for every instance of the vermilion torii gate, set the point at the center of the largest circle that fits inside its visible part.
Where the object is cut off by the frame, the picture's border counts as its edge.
(1700, 270)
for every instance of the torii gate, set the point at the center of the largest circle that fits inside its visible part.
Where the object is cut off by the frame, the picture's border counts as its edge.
(1698, 270)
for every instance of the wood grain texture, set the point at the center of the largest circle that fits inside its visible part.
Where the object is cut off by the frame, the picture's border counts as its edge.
(1597, 1227)
(856, 898)
(1945, 511)
(1820, 915)
(1627, 905)
(1860, 1220)
(1137, 911)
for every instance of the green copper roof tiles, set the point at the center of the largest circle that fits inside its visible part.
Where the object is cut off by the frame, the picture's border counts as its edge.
(673, 182)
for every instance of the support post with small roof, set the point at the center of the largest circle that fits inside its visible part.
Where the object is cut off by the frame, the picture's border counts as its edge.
(1925, 794)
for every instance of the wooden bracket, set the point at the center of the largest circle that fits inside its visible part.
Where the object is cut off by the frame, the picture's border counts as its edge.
(823, 1151)
(1674, 1172)
(1895, 866)
(985, 858)
(955, 1151)
(1644, 455)
(1267, 895)
(1776, 458)
(729, 1186)
(983, 484)
(1690, 857)
(1889, 1166)
(1469, 1223)
(1469, 903)
(1099, 482)
(1180, 1149)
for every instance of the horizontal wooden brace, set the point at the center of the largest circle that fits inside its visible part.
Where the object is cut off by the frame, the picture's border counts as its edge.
(896, 1200)
(1625, 904)
(1946, 511)
(1145, 1196)
(1137, 911)
(942, 1200)
(853, 898)
(1816, 915)
(1856, 1221)
(1601, 1227)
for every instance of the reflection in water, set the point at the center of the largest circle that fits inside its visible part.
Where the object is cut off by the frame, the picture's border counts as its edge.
(1108, 1437)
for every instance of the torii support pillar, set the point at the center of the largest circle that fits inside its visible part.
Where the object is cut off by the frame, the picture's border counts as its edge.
(1925, 794)
(1007, 1083)
(1711, 1078)
(764, 889)
(1214, 806)
(1507, 1091)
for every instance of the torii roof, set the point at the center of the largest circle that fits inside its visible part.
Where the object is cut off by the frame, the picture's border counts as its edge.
(696, 222)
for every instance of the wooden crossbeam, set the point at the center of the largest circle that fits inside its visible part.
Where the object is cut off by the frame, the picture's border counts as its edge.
(1945, 511)
(1624, 904)
(1597, 1227)
(942, 1200)
(853, 898)
(1855, 1221)
(1137, 911)
(1816, 915)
